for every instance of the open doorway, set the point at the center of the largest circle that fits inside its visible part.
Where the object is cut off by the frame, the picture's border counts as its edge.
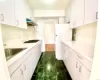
(50, 36)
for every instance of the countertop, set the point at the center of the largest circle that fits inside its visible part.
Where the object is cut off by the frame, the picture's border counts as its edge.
(85, 50)
(28, 46)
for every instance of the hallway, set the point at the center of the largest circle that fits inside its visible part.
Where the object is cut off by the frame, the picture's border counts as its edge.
(49, 68)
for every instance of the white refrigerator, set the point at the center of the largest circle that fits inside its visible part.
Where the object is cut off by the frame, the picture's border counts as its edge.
(63, 32)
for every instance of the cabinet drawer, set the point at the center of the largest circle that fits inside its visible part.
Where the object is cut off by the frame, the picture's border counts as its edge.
(85, 62)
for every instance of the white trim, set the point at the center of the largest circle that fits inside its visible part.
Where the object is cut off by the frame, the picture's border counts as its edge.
(4, 74)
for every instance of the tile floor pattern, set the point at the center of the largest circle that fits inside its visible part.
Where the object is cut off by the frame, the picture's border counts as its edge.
(49, 68)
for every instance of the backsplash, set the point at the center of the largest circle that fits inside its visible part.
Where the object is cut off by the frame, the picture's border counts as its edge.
(11, 33)
(85, 39)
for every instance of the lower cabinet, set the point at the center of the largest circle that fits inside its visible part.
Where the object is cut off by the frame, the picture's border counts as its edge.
(76, 69)
(18, 74)
(26, 69)
(85, 73)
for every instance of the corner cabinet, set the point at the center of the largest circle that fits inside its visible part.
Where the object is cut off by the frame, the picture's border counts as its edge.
(20, 17)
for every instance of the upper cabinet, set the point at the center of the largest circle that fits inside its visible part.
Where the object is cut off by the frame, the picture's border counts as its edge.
(82, 12)
(68, 13)
(28, 11)
(91, 11)
(77, 13)
(7, 12)
(12, 12)
(20, 17)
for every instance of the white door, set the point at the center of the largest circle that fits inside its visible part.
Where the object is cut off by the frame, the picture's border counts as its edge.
(18, 75)
(91, 9)
(63, 33)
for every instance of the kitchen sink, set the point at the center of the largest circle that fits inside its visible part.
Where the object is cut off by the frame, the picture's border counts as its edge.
(10, 52)
(31, 41)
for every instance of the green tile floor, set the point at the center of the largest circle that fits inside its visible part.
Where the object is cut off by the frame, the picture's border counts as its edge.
(49, 68)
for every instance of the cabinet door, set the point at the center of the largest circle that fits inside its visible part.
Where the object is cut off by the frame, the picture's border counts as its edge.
(31, 62)
(72, 65)
(91, 9)
(84, 73)
(73, 14)
(27, 66)
(20, 14)
(77, 13)
(18, 75)
(7, 12)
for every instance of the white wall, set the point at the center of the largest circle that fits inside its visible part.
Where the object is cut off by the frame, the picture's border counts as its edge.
(48, 13)
(95, 74)
(10, 33)
(85, 39)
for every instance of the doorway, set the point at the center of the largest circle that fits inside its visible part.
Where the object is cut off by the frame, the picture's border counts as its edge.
(50, 36)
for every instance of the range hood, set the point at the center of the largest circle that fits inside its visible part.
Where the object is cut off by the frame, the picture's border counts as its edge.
(30, 22)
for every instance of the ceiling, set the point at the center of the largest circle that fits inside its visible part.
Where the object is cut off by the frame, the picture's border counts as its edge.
(40, 5)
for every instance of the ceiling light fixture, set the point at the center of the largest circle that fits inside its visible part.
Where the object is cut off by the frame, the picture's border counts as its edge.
(48, 1)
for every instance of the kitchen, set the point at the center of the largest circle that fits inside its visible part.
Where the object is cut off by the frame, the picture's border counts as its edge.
(80, 16)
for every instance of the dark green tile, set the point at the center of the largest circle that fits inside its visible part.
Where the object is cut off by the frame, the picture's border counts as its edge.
(49, 68)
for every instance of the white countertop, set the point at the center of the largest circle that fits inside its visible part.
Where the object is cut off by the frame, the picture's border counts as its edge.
(28, 46)
(85, 50)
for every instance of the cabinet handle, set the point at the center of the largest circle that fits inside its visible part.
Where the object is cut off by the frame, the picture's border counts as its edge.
(80, 68)
(24, 67)
(77, 65)
(21, 71)
(2, 17)
(96, 15)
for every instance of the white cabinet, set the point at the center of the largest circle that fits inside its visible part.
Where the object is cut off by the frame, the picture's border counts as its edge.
(68, 13)
(28, 11)
(28, 63)
(31, 62)
(91, 11)
(77, 13)
(7, 12)
(20, 14)
(72, 64)
(18, 74)
(12, 12)
(75, 64)
(84, 73)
